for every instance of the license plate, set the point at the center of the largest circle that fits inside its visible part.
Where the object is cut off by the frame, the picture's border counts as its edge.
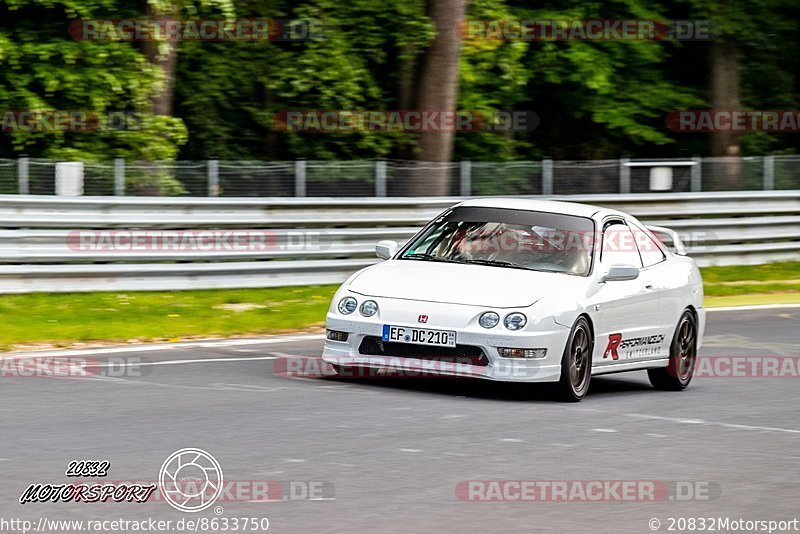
(419, 336)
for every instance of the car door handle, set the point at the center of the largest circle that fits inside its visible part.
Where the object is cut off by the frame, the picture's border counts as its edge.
(649, 286)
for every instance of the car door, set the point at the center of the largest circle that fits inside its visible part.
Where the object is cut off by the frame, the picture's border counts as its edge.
(662, 276)
(626, 312)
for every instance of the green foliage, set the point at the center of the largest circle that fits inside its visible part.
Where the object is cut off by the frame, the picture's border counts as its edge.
(594, 99)
(43, 68)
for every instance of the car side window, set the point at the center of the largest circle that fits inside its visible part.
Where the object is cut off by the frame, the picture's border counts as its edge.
(619, 246)
(651, 253)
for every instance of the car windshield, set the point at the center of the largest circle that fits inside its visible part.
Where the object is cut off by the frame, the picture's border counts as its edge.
(506, 238)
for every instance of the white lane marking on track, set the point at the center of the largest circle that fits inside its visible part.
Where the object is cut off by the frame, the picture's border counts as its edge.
(686, 421)
(207, 344)
(410, 450)
(712, 423)
(607, 430)
(211, 387)
(178, 362)
(284, 500)
(752, 307)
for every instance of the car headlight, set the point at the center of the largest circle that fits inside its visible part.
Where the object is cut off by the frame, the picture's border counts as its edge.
(369, 308)
(515, 321)
(347, 305)
(489, 320)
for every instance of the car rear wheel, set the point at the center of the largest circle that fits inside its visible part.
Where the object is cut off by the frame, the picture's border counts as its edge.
(576, 363)
(682, 357)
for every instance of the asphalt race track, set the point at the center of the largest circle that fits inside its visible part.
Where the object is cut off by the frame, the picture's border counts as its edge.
(388, 454)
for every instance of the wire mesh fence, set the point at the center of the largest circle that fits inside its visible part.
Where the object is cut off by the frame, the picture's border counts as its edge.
(733, 174)
(41, 177)
(8, 177)
(523, 177)
(256, 179)
(596, 176)
(340, 178)
(164, 178)
(413, 178)
(787, 172)
(368, 178)
(98, 179)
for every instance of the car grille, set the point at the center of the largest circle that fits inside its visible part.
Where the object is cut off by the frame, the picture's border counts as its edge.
(463, 354)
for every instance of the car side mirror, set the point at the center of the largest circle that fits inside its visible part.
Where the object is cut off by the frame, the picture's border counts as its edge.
(386, 249)
(620, 273)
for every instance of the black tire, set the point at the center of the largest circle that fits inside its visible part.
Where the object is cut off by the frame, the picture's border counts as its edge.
(576, 363)
(682, 357)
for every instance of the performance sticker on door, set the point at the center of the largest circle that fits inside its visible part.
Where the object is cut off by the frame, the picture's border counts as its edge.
(633, 348)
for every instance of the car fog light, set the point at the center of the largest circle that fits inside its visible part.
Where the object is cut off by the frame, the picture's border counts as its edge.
(369, 308)
(347, 305)
(334, 335)
(489, 320)
(515, 321)
(522, 353)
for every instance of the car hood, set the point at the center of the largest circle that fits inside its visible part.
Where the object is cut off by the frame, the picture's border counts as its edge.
(472, 285)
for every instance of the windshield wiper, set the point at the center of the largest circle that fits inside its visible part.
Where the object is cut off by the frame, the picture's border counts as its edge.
(423, 256)
(498, 263)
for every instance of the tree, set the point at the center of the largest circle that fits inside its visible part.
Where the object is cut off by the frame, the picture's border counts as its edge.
(43, 68)
(437, 91)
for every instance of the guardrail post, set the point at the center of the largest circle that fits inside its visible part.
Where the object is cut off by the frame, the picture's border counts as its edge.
(119, 177)
(380, 178)
(547, 176)
(213, 178)
(697, 175)
(300, 178)
(23, 183)
(769, 173)
(465, 177)
(624, 176)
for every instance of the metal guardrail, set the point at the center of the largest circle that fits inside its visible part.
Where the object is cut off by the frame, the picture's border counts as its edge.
(319, 240)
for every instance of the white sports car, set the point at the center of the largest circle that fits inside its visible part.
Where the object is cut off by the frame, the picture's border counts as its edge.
(525, 290)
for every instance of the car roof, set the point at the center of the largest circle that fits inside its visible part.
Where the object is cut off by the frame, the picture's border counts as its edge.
(548, 206)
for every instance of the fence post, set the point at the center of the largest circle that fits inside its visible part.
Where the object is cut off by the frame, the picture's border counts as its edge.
(119, 177)
(69, 178)
(466, 178)
(213, 178)
(624, 176)
(697, 175)
(300, 178)
(769, 173)
(23, 183)
(380, 178)
(547, 176)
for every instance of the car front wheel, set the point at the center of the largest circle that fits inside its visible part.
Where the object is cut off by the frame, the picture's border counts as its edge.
(576, 363)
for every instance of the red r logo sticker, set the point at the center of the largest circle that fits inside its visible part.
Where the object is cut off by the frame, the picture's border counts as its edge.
(613, 342)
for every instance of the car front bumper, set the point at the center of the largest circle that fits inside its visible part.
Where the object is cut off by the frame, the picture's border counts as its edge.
(542, 332)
